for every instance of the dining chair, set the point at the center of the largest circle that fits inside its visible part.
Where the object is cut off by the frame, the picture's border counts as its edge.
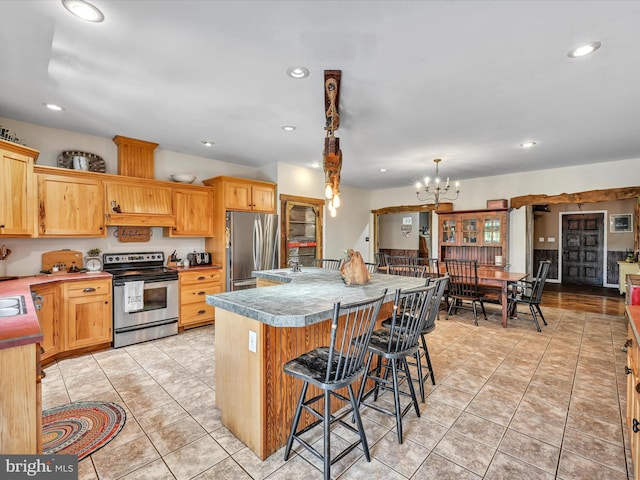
(463, 287)
(418, 271)
(372, 267)
(329, 263)
(529, 292)
(330, 368)
(394, 345)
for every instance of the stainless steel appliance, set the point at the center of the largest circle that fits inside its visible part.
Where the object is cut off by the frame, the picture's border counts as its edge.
(252, 244)
(158, 315)
(199, 258)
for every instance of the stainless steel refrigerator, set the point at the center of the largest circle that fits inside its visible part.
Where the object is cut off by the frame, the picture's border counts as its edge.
(252, 244)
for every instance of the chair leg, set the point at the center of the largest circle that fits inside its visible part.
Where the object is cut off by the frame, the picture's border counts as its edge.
(540, 312)
(414, 400)
(451, 304)
(358, 419)
(419, 369)
(535, 318)
(327, 435)
(483, 311)
(475, 313)
(296, 420)
(426, 355)
(364, 380)
(396, 399)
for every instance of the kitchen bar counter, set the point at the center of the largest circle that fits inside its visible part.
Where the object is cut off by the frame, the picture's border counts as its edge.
(305, 297)
(25, 329)
(260, 329)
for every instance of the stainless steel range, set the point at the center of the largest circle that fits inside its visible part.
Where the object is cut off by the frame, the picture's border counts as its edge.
(145, 297)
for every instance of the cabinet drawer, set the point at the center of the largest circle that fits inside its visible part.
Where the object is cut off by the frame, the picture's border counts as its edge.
(196, 313)
(632, 351)
(200, 276)
(197, 293)
(91, 287)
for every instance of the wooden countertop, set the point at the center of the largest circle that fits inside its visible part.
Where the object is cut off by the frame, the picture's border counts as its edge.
(25, 329)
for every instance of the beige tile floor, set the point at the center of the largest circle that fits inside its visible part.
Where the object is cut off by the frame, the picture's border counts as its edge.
(508, 404)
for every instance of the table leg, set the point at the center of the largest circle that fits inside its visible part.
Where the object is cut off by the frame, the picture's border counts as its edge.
(503, 301)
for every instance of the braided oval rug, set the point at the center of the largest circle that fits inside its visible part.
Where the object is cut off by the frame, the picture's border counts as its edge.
(80, 428)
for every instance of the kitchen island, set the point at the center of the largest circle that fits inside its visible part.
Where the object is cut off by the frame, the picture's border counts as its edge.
(259, 330)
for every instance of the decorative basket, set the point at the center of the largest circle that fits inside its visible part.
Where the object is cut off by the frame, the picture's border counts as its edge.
(95, 163)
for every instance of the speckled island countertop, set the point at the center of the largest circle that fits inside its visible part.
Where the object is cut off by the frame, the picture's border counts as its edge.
(305, 297)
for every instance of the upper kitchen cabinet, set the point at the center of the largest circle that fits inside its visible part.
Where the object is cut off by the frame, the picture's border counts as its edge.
(70, 204)
(243, 195)
(137, 202)
(135, 157)
(193, 207)
(17, 195)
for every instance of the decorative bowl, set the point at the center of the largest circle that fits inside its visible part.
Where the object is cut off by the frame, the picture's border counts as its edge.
(183, 177)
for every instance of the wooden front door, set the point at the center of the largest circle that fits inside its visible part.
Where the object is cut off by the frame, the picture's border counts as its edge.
(582, 248)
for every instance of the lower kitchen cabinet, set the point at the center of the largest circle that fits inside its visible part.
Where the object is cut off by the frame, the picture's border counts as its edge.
(86, 313)
(194, 287)
(47, 299)
(633, 387)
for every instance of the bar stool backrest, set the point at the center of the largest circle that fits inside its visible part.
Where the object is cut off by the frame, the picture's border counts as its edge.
(329, 263)
(418, 271)
(410, 310)
(538, 283)
(351, 329)
(440, 284)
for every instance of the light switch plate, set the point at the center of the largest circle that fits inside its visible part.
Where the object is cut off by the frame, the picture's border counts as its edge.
(541, 239)
(253, 341)
(551, 239)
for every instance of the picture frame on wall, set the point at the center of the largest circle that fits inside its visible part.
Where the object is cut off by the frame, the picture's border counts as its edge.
(620, 223)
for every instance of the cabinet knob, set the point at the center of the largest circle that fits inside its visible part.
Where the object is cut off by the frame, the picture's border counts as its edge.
(638, 388)
(202, 278)
(89, 289)
(628, 343)
(636, 426)
(201, 312)
(106, 302)
(201, 293)
(627, 370)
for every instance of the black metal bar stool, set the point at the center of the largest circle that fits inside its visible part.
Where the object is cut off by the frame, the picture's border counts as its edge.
(331, 368)
(394, 345)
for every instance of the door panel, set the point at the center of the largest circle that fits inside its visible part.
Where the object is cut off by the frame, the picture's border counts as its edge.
(583, 248)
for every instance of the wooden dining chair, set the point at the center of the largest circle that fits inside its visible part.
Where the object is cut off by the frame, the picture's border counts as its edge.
(529, 292)
(463, 287)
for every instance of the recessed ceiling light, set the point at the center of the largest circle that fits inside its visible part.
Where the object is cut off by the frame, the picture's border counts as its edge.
(584, 50)
(528, 144)
(383, 169)
(314, 165)
(298, 72)
(289, 128)
(83, 10)
(54, 107)
(207, 143)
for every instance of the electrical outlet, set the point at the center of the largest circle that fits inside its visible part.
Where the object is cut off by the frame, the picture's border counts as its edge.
(253, 341)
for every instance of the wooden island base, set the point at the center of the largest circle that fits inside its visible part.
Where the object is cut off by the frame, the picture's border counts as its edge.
(257, 400)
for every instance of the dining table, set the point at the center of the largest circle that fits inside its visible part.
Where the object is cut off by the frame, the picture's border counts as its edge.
(499, 279)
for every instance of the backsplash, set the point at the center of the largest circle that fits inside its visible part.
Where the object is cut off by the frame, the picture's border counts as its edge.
(26, 256)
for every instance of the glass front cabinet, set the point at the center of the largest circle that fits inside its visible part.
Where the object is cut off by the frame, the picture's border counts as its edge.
(301, 227)
(482, 236)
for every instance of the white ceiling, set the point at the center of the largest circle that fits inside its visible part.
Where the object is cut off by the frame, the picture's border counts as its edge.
(466, 81)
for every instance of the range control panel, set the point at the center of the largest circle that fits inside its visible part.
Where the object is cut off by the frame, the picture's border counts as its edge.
(120, 258)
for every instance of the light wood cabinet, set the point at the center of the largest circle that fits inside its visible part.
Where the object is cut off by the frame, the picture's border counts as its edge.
(17, 193)
(135, 157)
(633, 388)
(475, 235)
(194, 287)
(243, 195)
(136, 202)
(86, 313)
(20, 401)
(193, 208)
(70, 206)
(301, 227)
(48, 318)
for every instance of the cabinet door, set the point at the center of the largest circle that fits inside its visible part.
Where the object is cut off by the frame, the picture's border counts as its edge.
(264, 198)
(139, 203)
(194, 213)
(237, 196)
(492, 230)
(17, 198)
(88, 321)
(48, 319)
(70, 207)
(471, 231)
(301, 227)
(448, 230)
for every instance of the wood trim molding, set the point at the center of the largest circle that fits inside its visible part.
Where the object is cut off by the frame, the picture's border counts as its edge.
(591, 196)
(427, 207)
(294, 198)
